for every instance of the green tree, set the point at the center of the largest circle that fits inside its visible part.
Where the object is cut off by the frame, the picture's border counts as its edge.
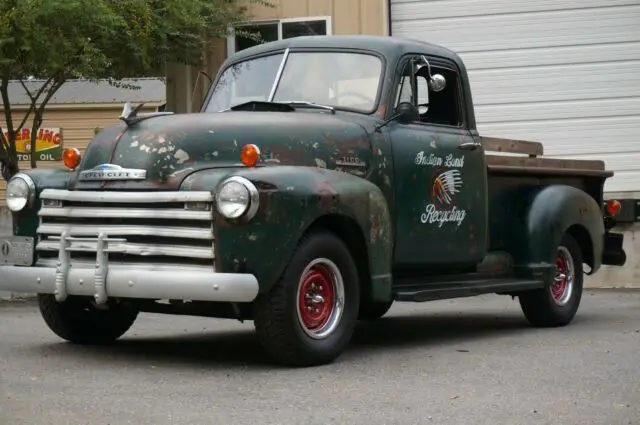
(57, 40)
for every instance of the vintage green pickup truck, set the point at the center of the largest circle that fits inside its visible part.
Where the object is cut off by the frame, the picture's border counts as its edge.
(323, 179)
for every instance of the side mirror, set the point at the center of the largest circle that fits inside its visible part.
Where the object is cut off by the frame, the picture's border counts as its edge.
(406, 112)
(437, 82)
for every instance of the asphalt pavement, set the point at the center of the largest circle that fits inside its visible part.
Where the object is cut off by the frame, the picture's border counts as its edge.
(471, 361)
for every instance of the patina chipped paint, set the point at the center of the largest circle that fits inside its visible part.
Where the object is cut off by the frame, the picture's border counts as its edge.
(292, 198)
(172, 147)
(318, 165)
(312, 164)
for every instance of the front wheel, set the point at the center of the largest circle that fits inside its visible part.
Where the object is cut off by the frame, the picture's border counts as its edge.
(309, 316)
(557, 304)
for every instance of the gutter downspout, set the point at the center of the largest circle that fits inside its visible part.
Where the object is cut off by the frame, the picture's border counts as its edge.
(388, 8)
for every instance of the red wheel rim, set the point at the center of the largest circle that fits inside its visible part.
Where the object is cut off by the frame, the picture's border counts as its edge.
(562, 287)
(316, 298)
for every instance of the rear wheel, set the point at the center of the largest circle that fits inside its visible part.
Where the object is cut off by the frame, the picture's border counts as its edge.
(309, 316)
(557, 304)
(79, 321)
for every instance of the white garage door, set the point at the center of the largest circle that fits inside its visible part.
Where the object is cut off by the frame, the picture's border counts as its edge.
(563, 72)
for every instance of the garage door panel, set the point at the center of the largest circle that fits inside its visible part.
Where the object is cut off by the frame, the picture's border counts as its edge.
(562, 72)
(471, 34)
(554, 111)
(591, 53)
(623, 182)
(590, 81)
(570, 137)
(623, 163)
(416, 9)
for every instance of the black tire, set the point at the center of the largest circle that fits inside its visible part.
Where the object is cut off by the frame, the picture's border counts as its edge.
(277, 320)
(373, 310)
(540, 306)
(78, 321)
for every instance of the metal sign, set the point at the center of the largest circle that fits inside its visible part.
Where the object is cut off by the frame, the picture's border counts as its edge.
(48, 141)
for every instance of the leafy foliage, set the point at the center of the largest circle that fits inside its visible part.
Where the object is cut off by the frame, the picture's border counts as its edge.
(57, 40)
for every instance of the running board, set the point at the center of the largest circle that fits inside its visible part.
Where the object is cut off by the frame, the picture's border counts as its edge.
(446, 290)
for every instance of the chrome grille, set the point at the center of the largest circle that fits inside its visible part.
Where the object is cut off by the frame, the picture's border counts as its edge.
(146, 228)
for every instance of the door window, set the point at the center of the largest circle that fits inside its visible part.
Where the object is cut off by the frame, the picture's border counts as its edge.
(441, 108)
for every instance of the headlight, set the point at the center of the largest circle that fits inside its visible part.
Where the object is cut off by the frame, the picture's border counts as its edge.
(20, 192)
(236, 197)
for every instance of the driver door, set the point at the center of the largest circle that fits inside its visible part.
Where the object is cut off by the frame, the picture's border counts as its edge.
(440, 185)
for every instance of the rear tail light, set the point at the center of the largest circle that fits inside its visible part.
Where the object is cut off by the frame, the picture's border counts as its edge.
(613, 207)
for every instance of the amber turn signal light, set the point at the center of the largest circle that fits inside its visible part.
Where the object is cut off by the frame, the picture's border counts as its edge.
(249, 155)
(613, 207)
(71, 158)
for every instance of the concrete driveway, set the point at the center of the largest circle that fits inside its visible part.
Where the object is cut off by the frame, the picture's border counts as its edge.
(471, 361)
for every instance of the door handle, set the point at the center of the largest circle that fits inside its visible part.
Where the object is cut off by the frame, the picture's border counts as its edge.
(469, 146)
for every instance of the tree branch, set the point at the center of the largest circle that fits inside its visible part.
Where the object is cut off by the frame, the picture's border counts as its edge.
(37, 117)
(33, 99)
(9, 162)
(4, 143)
(4, 91)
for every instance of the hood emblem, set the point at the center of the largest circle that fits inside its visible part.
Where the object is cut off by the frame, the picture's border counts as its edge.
(112, 172)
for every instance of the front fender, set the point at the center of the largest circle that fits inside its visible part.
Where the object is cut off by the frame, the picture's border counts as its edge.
(552, 211)
(292, 198)
(25, 222)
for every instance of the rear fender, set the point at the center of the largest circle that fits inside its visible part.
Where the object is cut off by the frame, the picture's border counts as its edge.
(554, 211)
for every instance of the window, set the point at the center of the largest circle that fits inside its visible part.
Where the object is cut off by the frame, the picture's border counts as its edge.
(279, 30)
(441, 107)
(405, 93)
(244, 82)
(340, 79)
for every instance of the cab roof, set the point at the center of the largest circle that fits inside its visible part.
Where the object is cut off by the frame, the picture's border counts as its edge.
(390, 47)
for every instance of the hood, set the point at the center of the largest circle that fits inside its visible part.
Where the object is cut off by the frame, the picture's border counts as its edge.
(171, 147)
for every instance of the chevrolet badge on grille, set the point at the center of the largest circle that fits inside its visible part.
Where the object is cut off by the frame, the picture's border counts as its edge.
(112, 172)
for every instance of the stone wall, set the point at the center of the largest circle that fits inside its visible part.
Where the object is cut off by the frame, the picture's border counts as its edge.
(627, 276)
(5, 229)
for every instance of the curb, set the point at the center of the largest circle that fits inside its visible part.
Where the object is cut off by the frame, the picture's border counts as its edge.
(12, 297)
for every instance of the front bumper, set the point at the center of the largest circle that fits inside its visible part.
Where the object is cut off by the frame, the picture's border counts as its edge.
(127, 283)
(103, 280)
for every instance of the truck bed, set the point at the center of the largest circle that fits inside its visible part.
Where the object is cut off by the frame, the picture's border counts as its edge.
(529, 162)
(510, 176)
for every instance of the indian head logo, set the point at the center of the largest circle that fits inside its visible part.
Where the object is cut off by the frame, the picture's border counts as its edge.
(446, 184)
(445, 187)
(443, 209)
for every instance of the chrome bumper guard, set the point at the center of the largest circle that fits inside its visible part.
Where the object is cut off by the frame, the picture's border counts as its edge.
(106, 281)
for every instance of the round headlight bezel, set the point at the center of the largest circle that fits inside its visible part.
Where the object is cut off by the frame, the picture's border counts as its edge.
(31, 191)
(250, 209)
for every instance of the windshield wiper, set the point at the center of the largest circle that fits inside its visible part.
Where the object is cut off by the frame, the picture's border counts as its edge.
(308, 104)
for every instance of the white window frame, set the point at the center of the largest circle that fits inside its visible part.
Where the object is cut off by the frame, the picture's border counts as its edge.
(231, 38)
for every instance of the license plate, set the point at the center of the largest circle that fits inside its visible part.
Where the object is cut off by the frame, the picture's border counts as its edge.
(16, 251)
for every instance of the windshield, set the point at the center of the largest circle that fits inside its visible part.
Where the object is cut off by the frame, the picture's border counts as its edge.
(339, 79)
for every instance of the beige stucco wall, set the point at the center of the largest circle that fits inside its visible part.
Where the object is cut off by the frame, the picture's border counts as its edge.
(347, 16)
(186, 89)
(77, 124)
